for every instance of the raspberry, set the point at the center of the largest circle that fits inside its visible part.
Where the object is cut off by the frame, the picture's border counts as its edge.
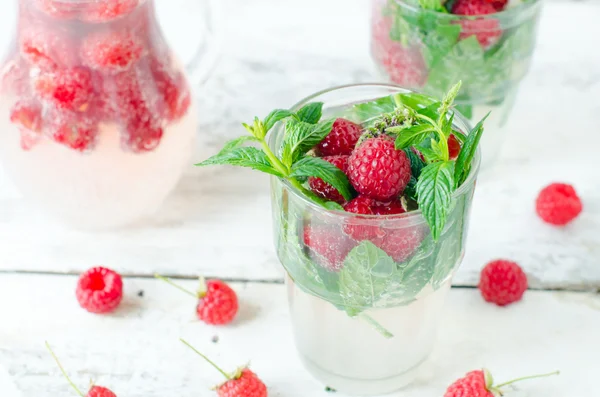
(242, 383)
(246, 385)
(27, 114)
(341, 140)
(108, 10)
(99, 290)
(142, 134)
(73, 130)
(502, 282)
(327, 246)
(392, 207)
(15, 78)
(70, 89)
(453, 147)
(499, 5)
(400, 244)
(98, 391)
(558, 204)
(324, 189)
(472, 384)
(57, 8)
(377, 170)
(46, 49)
(359, 228)
(173, 89)
(486, 30)
(111, 50)
(218, 303)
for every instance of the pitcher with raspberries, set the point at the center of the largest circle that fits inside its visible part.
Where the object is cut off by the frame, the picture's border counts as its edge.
(371, 189)
(98, 116)
(427, 45)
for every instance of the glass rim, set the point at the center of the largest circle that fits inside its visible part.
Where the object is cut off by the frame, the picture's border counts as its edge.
(507, 13)
(415, 215)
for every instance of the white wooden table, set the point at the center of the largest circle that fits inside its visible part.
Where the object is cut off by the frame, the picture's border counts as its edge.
(218, 224)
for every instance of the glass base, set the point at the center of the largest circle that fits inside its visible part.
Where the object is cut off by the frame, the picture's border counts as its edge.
(362, 387)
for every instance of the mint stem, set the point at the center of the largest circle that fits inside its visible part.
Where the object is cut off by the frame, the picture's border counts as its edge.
(440, 133)
(166, 280)
(63, 370)
(225, 374)
(277, 164)
(525, 378)
(378, 327)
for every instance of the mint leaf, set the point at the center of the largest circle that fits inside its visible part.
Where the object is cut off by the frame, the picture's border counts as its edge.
(244, 157)
(414, 275)
(447, 102)
(434, 191)
(412, 135)
(434, 5)
(311, 112)
(438, 41)
(301, 136)
(319, 168)
(425, 149)
(332, 205)
(275, 116)
(467, 152)
(416, 164)
(415, 100)
(365, 277)
(410, 191)
(237, 142)
(369, 111)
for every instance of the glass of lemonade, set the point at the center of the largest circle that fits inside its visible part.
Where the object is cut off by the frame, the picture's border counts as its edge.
(366, 326)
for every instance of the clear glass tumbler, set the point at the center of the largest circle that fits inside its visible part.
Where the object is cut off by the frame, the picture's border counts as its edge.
(429, 51)
(97, 117)
(364, 324)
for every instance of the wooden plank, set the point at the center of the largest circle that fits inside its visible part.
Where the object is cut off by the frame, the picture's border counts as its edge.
(136, 351)
(218, 221)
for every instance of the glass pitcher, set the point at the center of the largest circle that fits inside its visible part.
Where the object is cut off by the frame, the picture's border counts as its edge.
(96, 111)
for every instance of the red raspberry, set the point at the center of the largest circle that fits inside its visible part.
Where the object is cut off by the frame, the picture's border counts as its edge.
(15, 78)
(108, 10)
(27, 114)
(502, 282)
(324, 189)
(242, 383)
(173, 89)
(73, 130)
(98, 391)
(142, 134)
(392, 207)
(487, 30)
(359, 228)
(400, 244)
(377, 170)
(499, 5)
(558, 204)
(341, 140)
(70, 89)
(99, 290)
(112, 50)
(218, 303)
(453, 147)
(46, 49)
(472, 384)
(57, 8)
(246, 385)
(327, 246)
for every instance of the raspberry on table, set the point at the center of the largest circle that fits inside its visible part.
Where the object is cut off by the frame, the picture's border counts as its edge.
(172, 88)
(70, 89)
(341, 140)
(502, 282)
(377, 170)
(324, 189)
(218, 304)
(112, 50)
(99, 391)
(108, 10)
(27, 114)
(473, 384)
(99, 290)
(486, 30)
(327, 246)
(73, 130)
(558, 204)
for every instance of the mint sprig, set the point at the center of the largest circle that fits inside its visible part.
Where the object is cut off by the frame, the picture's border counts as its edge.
(303, 130)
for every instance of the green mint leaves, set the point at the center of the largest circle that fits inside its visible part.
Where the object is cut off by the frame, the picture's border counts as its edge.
(434, 194)
(303, 130)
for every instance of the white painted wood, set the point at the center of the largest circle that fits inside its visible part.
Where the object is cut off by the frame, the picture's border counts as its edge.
(136, 350)
(218, 221)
